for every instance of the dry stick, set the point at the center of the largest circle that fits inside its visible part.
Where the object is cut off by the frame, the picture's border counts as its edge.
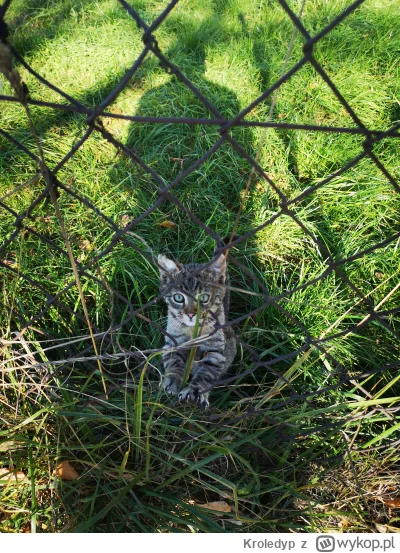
(13, 293)
(53, 196)
(21, 91)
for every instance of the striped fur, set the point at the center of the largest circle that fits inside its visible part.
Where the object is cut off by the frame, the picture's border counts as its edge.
(185, 287)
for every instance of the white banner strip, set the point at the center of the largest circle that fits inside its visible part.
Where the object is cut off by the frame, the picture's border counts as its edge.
(199, 543)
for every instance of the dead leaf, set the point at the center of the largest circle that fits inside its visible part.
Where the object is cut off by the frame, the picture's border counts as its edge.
(385, 528)
(221, 506)
(85, 245)
(167, 224)
(178, 160)
(65, 471)
(10, 445)
(392, 503)
(8, 476)
(125, 220)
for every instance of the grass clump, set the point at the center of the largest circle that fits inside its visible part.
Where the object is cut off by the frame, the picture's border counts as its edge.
(305, 439)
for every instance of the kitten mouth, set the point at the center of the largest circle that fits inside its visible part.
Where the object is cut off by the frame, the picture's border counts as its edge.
(192, 322)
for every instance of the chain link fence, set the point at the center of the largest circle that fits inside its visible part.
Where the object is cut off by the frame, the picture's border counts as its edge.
(45, 180)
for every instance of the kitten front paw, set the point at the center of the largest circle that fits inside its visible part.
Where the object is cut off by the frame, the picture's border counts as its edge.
(192, 395)
(171, 385)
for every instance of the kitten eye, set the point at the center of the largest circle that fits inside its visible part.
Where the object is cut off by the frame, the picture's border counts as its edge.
(179, 298)
(204, 298)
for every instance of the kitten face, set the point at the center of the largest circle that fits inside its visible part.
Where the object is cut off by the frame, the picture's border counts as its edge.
(193, 290)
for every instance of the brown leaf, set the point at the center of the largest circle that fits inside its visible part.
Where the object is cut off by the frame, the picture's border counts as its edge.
(8, 476)
(392, 503)
(65, 471)
(178, 160)
(125, 220)
(9, 445)
(167, 224)
(381, 528)
(344, 523)
(25, 529)
(85, 245)
(221, 506)
(385, 528)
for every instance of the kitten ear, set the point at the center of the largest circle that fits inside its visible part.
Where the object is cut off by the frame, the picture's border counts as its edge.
(167, 265)
(219, 265)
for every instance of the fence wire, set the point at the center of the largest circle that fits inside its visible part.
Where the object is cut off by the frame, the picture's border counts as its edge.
(53, 187)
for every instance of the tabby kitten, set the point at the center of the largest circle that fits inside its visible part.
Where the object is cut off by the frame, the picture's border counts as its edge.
(184, 291)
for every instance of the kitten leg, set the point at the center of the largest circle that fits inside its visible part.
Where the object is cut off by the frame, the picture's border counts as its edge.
(174, 366)
(210, 368)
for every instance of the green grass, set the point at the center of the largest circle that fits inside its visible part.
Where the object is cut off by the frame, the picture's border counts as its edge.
(145, 463)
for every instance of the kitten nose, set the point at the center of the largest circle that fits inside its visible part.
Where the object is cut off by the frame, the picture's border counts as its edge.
(191, 315)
